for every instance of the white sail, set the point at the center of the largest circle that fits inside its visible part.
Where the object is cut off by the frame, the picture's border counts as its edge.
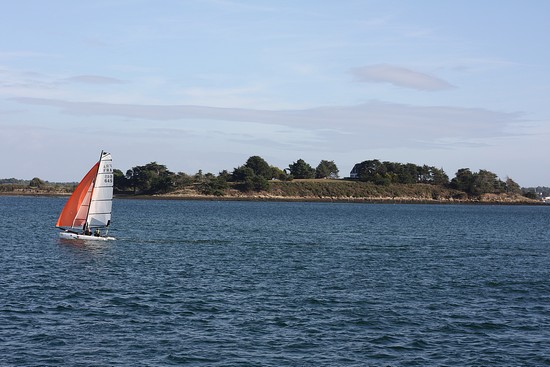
(99, 214)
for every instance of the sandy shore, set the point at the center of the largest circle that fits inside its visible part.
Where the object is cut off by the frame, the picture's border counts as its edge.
(485, 199)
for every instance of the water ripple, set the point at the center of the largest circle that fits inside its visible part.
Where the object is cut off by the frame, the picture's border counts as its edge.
(277, 284)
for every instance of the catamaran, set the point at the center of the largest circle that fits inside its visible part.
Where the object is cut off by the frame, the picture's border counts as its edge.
(87, 213)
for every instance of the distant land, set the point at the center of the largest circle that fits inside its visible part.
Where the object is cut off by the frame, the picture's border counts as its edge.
(369, 181)
(325, 190)
(331, 190)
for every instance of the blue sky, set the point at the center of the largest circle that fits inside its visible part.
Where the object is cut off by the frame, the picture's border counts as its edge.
(207, 84)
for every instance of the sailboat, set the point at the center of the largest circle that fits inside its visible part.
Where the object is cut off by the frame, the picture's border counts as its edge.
(87, 213)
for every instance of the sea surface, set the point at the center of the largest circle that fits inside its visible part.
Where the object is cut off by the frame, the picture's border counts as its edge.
(229, 283)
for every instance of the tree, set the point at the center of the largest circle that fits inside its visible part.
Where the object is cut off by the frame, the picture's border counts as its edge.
(301, 169)
(486, 182)
(512, 187)
(376, 172)
(531, 195)
(37, 183)
(385, 173)
(214, 186)
(463, 180)
(162, 183)
(182, 179)
(482, 182)
(260, 183)
(279, 174)
(242, 173)
(139, 178)
(198, 177)
(411, 173)
(151, 178)
(224, 175)
(248, 180)
(259, 166)
(439, 177)
(326, 169)
(252, 182)
(121, 183)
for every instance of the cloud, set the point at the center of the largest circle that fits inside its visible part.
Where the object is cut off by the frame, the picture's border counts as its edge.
(390, 121)
(93, 79)
(401, 77)
(226, 136)
(24, 55)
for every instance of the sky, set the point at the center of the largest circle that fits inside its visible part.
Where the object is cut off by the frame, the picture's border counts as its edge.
(206, 84)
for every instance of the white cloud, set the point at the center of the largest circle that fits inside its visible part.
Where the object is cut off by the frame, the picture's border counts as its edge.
(93, 79)
(390, 121)
(399, 76)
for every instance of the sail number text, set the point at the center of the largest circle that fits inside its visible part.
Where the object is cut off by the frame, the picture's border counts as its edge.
(107, 171)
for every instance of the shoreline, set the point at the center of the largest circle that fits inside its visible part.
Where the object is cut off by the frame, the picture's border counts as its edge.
(357, 200)
(272, 198)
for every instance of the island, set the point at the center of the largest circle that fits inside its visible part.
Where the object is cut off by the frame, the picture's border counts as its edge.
(369, 181)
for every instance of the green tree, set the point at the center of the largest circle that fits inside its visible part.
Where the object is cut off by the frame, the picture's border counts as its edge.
(326, 169)
(439, 177)
(485, 182)
(182, 180)
(121, 183)
(255, 174)
(301, 169)
(162, 183)
(531, 195)
(482, 182)
(259, 166)
(137, 178)
(199, 176)
(151, 179)
(242, 173)
(214, 186)
(37, 183)
(385, 173)
(279, 174)
(260, 183)
(224, 175)
(463, 180)
(512, 187)
(248, 180)
(253, 183)
(376, 172)
(411, 173)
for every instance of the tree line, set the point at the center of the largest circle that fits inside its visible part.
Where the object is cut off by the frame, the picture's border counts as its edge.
(13, 184)
(536, 193)
(255, 175)
(472, 183)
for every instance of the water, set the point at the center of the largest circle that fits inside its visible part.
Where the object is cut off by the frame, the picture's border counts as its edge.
(277, 284)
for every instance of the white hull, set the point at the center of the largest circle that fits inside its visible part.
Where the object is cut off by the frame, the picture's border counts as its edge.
(76, 236)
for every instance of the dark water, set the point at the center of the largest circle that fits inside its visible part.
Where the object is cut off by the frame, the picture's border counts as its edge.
(277, 284)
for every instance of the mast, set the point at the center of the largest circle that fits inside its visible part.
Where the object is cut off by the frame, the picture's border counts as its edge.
(92, 192)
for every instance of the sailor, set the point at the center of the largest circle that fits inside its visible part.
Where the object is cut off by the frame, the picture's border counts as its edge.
(87, 231)
(97, 233)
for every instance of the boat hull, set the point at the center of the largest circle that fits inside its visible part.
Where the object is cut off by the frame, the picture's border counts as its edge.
(76, 236)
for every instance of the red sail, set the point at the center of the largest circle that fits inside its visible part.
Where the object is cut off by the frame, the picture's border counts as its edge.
(79, 200)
